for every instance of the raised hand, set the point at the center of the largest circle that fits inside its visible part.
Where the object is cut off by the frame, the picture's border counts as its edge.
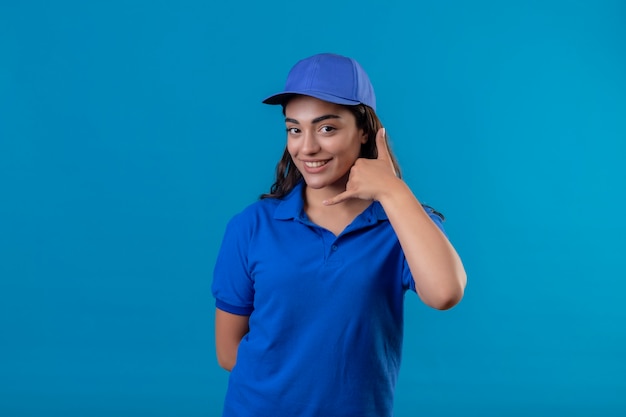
(369, 178)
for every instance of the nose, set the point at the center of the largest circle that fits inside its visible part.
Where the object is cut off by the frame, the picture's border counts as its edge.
(310, 144)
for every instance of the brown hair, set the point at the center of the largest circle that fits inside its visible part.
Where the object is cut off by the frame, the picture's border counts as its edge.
(288, 176)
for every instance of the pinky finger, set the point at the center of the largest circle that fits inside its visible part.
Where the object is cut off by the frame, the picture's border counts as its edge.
(337, 199)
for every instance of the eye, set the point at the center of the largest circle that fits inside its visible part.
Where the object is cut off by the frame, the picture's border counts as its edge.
(293, 130)
(327, 129)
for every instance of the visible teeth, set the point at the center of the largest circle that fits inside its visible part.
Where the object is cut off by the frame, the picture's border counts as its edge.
(315, 164)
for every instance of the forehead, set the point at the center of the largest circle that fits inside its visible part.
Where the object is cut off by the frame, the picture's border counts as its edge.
(308, 108)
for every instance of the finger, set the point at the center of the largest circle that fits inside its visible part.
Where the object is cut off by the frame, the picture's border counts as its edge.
(381, 144)
(339, 198)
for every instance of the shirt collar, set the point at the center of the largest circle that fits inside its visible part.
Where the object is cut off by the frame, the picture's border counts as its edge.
(292, 206)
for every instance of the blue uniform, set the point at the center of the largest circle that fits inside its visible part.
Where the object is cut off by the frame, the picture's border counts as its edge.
(326, 311)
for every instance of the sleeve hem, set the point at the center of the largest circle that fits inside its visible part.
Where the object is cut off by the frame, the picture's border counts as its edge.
(229, 308)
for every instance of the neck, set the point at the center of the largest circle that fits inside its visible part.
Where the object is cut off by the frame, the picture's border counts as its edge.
(334, 218)
(313, 199)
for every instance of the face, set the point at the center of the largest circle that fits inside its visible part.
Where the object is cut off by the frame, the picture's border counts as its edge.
(323, 141)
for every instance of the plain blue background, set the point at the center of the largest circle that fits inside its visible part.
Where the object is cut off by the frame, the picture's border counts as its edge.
(130, 132)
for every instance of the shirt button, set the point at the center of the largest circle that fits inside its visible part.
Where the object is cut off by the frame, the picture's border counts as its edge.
(334, 247)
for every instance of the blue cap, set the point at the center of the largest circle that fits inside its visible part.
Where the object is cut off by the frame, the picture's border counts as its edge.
(329, 77)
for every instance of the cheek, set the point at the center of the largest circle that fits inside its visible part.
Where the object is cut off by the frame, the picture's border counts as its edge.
(358, 146)
(291, 148)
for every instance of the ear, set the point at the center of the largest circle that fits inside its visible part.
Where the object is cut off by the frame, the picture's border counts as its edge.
(363, 137)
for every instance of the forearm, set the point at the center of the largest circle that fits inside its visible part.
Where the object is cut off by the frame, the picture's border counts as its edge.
(434, 263)
(228, 361)
(229, 330)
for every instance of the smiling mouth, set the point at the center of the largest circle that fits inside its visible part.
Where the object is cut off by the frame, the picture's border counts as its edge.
(315, 164)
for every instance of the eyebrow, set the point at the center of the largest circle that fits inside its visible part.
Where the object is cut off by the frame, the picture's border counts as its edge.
(316, 120)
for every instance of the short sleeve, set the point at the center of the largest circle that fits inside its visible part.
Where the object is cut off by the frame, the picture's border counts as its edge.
(437, 218)
(233, 287)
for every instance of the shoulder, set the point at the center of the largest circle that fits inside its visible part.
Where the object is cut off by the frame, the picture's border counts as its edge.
(257, 212)
(269, 211)
(263, 206)
(287, 207)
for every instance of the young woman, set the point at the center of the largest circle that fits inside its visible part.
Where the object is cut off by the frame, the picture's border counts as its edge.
(310, 280)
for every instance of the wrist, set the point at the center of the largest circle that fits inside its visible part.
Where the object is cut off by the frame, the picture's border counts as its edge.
(396, 188)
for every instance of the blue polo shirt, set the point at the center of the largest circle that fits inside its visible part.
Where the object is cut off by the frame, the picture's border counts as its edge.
(326, 311)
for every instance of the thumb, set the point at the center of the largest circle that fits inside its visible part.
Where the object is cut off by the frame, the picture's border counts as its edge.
(381, 144)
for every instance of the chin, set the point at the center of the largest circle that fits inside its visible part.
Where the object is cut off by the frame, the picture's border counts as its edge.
(316, 185)
(319, 185)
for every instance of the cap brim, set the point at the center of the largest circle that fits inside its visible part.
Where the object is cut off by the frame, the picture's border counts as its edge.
(283, 97)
